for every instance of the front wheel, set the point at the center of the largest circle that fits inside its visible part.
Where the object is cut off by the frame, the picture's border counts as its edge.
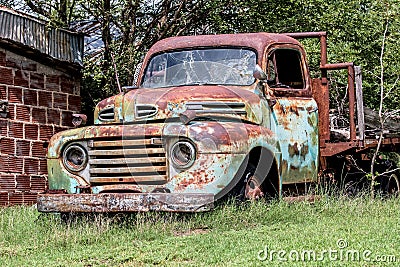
(252, 188)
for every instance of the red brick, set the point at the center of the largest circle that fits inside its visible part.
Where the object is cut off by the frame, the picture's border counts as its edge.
(26, 65)
(39, 115)
(6, 76)
(43, 166)
(29, 198)
(13, 63)
(74, 103)
(4, 199)
(38, 184)
(77, 88)
(67, 85)
(60, 101)
(3, 127)
(31, 166)
(59, 129)
(17, 163)
(38, 151)
(7, 182)
(7, 146)
(15, 94)
(12, 164)
(16, 198)
(46, 131)
(37, 80)
(22, 113)
(66, 118)
(16, 129)
(53, 83)
(23, 182)
(45, 99)
(3, 92)
(21, 78)
(19, 64)
(23, 148)
(53, 116)
(30, 97)
(31, 131)
(11, 111)
(2, 58)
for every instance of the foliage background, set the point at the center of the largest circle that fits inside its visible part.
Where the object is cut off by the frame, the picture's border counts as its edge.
(121, 31)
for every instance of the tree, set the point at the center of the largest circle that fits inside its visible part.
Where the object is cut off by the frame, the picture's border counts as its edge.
(59, 12)
(386, 87)
(125, 29)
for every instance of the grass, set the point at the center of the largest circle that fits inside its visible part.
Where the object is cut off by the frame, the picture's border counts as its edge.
(229, 236)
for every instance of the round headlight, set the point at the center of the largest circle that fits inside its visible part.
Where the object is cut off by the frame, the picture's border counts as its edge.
(75, 158)
(183, 154)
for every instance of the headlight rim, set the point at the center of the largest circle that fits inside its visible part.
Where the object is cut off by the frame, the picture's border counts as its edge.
(71, 166)
(193, 154)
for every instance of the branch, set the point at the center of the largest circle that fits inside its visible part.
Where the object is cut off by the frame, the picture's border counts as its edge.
(37, 8)
(381, 119)
(392, 113)
(388, 172)
(382, 70)
(175, 18)
(71, 9)
(392, 87)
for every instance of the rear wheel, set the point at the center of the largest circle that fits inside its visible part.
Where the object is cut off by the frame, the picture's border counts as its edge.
(392, 186)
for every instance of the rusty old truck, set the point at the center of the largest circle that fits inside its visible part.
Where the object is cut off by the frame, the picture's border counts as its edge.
(211, 116)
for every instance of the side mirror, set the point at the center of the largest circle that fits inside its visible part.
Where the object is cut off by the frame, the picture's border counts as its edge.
(259, 74)
(79, 119)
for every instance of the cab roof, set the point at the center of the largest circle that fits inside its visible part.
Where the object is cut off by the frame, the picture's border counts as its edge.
(257, 41)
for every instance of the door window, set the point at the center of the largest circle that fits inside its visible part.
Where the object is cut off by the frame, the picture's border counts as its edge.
(285, 69)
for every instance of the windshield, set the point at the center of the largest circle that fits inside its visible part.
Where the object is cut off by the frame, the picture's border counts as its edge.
(224, 66)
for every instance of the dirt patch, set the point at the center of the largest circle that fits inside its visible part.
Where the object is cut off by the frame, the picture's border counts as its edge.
(190, 232)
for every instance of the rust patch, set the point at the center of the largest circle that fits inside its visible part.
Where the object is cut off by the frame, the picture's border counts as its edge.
(293, 149)
(304, 150)
(130, 202)
(214, 130)
(284, 166)
(294, 109)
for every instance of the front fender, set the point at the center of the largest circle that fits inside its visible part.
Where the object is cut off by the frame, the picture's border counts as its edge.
(58, 141)
(222, 147)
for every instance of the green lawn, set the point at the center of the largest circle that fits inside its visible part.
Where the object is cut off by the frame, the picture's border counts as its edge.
(257, 234)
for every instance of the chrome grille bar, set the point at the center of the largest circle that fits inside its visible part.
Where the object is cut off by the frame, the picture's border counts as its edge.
(127, 160)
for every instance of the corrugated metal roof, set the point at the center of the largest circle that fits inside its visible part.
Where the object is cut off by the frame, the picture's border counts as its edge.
(59, 44)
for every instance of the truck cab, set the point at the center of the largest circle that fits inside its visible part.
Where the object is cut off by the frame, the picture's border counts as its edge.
(211, 116)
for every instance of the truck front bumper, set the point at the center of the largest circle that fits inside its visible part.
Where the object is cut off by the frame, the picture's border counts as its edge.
(125, 202)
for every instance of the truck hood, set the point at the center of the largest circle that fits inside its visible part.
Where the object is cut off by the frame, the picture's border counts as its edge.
(203, 100)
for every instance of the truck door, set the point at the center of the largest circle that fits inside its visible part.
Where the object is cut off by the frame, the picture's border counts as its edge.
(294, 113)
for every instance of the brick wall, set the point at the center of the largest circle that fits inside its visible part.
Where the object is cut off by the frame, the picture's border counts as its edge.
(41, 103)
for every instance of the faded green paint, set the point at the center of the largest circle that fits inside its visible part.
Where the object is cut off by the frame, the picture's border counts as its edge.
(59, 178)
(297, 138)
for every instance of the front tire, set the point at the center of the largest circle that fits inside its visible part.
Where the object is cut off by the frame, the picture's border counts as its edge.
(252, 188)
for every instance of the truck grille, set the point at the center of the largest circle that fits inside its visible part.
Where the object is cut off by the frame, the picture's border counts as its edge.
(140, 161)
